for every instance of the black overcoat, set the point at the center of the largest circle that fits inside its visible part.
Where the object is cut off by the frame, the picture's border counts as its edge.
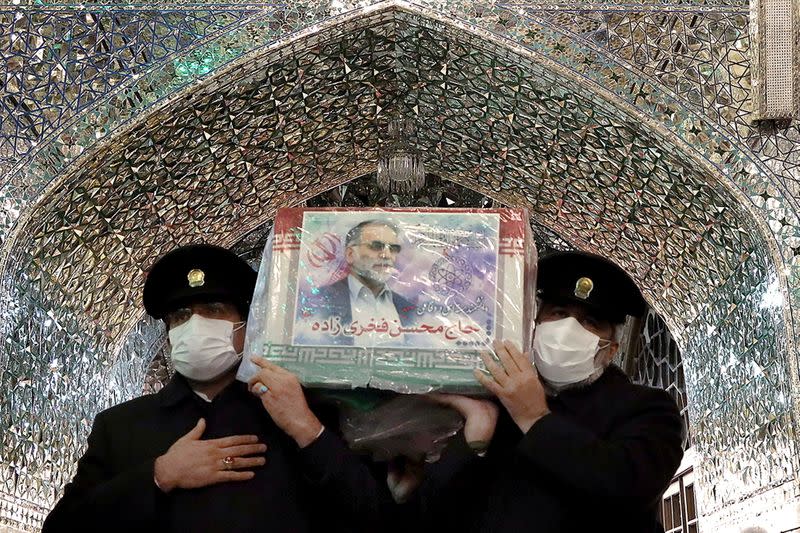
(323, 487)
(599, 462)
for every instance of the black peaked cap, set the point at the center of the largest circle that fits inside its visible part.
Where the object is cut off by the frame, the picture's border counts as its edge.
(197, 273)
(591, 280)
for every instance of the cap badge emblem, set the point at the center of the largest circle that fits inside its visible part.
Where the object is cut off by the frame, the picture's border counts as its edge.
(196, 277)
(583, 288)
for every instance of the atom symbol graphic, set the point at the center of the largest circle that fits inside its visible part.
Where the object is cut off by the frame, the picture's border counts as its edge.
(451, 275)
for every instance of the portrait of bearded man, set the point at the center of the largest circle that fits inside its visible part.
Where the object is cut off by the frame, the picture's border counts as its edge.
(364, 296)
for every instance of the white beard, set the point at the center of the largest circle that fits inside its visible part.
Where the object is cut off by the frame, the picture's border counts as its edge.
(378, 277)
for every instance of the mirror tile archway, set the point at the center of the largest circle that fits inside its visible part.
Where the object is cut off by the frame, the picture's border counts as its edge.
(558, 109)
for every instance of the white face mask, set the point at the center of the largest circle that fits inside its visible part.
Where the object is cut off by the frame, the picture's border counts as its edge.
(564, 351)
(202, 348)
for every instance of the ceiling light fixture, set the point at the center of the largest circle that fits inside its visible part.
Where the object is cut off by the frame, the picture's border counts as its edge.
(400, 166)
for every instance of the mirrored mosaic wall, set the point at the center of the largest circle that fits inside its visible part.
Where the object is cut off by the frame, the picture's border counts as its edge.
(739, 392)
(624, 128)
(656, 361)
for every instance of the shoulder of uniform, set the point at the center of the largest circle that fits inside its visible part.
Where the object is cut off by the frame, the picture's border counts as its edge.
(653, 398)
(129, 408)
(634, 393)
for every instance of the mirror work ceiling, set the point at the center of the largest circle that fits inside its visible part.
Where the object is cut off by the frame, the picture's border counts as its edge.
(625, 129)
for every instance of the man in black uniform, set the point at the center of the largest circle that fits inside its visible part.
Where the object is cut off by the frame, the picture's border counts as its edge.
(579, 447)
(205, 453)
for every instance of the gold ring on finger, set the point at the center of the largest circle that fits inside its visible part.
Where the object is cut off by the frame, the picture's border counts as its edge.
(227, 463)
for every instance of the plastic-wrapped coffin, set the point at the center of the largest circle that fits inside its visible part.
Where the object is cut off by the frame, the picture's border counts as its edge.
(397, 299)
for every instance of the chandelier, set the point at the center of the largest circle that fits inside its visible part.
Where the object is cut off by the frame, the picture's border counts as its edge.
(400, 167)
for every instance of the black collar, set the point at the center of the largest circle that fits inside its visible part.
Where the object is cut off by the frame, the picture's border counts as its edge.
(175, 391)
(612, 374)
(178, 390)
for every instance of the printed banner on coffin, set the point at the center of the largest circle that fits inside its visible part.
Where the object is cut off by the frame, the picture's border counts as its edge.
(394, 298)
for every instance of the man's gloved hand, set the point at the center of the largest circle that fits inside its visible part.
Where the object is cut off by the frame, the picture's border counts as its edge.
(192, 463)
